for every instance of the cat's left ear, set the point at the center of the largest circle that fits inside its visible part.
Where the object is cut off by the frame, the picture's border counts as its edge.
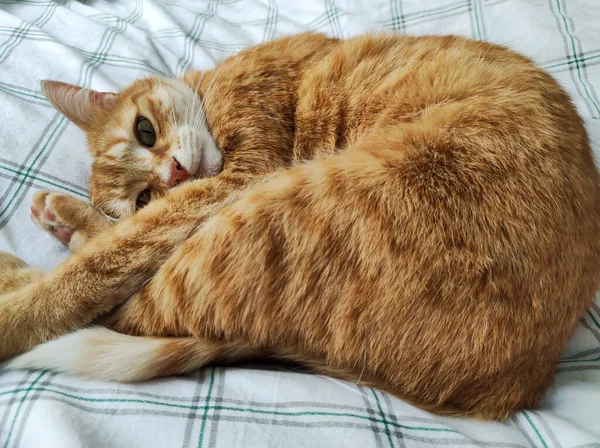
(81, 106)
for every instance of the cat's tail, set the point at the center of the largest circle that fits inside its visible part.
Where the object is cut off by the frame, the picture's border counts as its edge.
(100, 353)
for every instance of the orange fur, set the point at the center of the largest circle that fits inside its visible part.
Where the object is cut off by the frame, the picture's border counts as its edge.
(420, 214)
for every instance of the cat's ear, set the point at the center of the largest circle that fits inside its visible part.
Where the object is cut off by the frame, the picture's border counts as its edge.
(81, 106)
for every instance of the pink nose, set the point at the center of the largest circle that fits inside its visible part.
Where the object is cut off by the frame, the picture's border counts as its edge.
(178, 173)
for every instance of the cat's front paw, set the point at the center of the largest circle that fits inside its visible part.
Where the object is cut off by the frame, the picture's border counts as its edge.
(72, 221)
(44, 214)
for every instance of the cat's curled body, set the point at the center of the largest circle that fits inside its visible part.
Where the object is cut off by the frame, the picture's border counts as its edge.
(423, 216)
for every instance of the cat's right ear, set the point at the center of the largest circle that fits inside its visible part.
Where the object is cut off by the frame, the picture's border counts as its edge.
(81, 106)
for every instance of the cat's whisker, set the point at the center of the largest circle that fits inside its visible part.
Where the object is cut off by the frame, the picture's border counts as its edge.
(197, 120)
(191, 107)
(110, 218)
(100, 207)
(210, 88)
(196, 91)
(363, 368)
(199, 117)
(172, 107)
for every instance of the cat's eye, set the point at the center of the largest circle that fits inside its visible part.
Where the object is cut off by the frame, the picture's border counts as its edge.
(143, 199)
(144, 132)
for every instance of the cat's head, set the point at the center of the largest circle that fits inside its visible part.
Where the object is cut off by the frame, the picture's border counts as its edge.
(144, 140)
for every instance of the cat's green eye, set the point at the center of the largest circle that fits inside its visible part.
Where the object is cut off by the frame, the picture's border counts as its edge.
(143, 199)
(144, 132)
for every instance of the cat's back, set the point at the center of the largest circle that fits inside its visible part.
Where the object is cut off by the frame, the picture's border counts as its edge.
(388, 79)
(484, 134)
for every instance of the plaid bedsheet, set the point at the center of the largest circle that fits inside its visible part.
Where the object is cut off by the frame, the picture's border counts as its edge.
(107, 44)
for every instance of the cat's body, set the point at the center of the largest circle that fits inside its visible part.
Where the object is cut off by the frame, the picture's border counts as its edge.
(433, 228)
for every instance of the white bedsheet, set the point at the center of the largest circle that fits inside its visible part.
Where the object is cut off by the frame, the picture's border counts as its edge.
(106, 45)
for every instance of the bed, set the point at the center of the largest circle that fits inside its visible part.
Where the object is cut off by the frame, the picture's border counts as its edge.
(106, 45)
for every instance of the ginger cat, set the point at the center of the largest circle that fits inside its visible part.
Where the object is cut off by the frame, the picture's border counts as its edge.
(421, 214)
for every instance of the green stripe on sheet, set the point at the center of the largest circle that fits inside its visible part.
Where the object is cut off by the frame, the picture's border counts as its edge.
(28, 175)
(206, 407)
(438, 12)
(383, 419)
(575, 58)
(228, 408)
(537, 432)
(23, 398)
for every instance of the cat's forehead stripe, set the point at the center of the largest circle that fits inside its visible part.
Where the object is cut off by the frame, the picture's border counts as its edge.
(135, 97)
(164, 96)
(158, 113)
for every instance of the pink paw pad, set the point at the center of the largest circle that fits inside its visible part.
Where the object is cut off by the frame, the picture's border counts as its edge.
(49, 215)
(63, 233)
(35, 212)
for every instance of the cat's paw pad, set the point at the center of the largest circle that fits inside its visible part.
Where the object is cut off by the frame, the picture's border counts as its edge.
(48, 211)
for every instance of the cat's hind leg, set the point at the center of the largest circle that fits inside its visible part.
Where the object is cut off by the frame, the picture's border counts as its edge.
(70, 220)
(15, 273)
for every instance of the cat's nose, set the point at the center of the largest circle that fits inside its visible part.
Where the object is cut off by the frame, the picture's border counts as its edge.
(178, 173)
